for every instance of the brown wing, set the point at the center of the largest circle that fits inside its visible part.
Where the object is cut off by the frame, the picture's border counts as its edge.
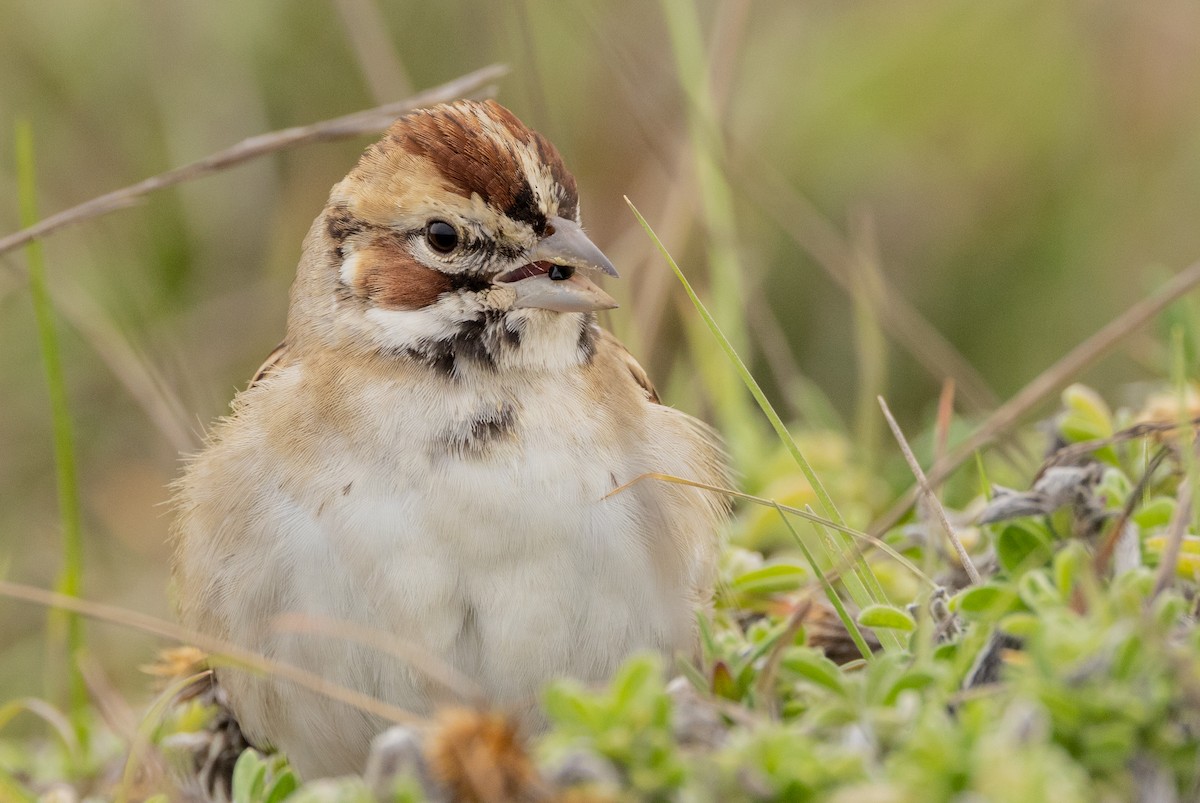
(277, 357)
(636, 370)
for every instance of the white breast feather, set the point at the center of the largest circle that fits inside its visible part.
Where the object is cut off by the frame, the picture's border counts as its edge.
(510, 566)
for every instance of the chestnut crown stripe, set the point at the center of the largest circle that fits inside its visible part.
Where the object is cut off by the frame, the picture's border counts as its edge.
(489, 165)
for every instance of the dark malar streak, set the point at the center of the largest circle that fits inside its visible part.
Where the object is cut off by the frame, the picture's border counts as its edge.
(340, 223)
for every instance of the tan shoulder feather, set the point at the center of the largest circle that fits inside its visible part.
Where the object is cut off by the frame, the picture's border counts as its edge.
(609, 341)
(277, 358)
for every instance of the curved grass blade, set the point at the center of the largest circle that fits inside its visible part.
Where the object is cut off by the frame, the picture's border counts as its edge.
(862, 584)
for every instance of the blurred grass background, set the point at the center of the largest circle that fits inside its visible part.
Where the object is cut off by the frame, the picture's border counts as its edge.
(1017, 171)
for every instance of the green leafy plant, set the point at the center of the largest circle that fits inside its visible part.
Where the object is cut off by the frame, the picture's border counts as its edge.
(259, 779)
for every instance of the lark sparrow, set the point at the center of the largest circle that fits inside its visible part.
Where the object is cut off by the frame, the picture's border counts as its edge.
(431, 453)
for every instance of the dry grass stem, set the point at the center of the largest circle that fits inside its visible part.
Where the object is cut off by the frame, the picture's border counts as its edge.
(765, 681)
(138, 375)
(1175, 531)
(935, 504)
(1069, 454)
(1054, 378)
(810, 230)
(869, 540)
(45, 712)
(1181, 517)
(1106, 550)
(215, 647)
(110, 705)
(367, 35)
(945, 417)
(1071, 365)
(421, 659)
(369, 121)
(144, 767)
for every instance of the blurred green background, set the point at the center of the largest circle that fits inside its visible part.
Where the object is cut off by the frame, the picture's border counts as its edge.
(1017, 171)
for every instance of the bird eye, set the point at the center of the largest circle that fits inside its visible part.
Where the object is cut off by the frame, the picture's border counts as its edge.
(441, 236)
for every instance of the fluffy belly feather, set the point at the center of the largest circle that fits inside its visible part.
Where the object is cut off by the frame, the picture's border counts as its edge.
(509, 569)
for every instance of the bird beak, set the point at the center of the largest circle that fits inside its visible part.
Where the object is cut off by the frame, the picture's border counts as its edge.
(540, 285)
(568, 245)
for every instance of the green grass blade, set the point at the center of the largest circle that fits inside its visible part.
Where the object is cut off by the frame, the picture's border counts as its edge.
(871, 349)
(70, 515)
(12, 791)
(716, 207)
(864, 588)
(830, 592)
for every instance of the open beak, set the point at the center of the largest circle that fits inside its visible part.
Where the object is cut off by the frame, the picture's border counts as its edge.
(554, 277)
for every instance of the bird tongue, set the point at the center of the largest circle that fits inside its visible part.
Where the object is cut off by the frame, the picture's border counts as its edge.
(525, 271)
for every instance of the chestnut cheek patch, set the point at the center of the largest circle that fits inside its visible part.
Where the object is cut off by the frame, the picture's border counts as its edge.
(386, 273)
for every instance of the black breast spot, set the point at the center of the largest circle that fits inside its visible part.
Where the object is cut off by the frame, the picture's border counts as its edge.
(476, 436)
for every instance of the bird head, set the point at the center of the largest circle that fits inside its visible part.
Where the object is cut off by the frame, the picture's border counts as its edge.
(455, 241)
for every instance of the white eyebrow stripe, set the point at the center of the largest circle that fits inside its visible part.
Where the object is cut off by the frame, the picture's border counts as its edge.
(349, 270)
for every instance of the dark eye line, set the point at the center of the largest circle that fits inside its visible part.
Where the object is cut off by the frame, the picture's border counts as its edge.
(487, 253)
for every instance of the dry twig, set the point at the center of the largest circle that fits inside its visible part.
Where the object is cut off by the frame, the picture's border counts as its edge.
(1175, 530)
(816, 235)
(350, 125)
(1052, 379)
(931, 498)
(439, 672)
(1180, 519)
(1109, 546)
(766, 677)
(1069, 454)
(244, 658)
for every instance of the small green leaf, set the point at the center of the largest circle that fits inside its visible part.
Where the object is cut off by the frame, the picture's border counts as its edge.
(1087, 415)
(1067, 565)
(723, 684)
(333, 790)
(1114, 488)
(249, 774)
(565, 704)
(1137, 584)
(885, 616)
(638, 679)
(1021, 624)
(694, 675)
(1169, 609)
(946, 652)
(1087, 418)
(1155, 512)
(708, 643)
(1038, 591)
(1023, 545)
(774, 579)
(916, 679)
(281, 787)
(813, 665)
(986, 601)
